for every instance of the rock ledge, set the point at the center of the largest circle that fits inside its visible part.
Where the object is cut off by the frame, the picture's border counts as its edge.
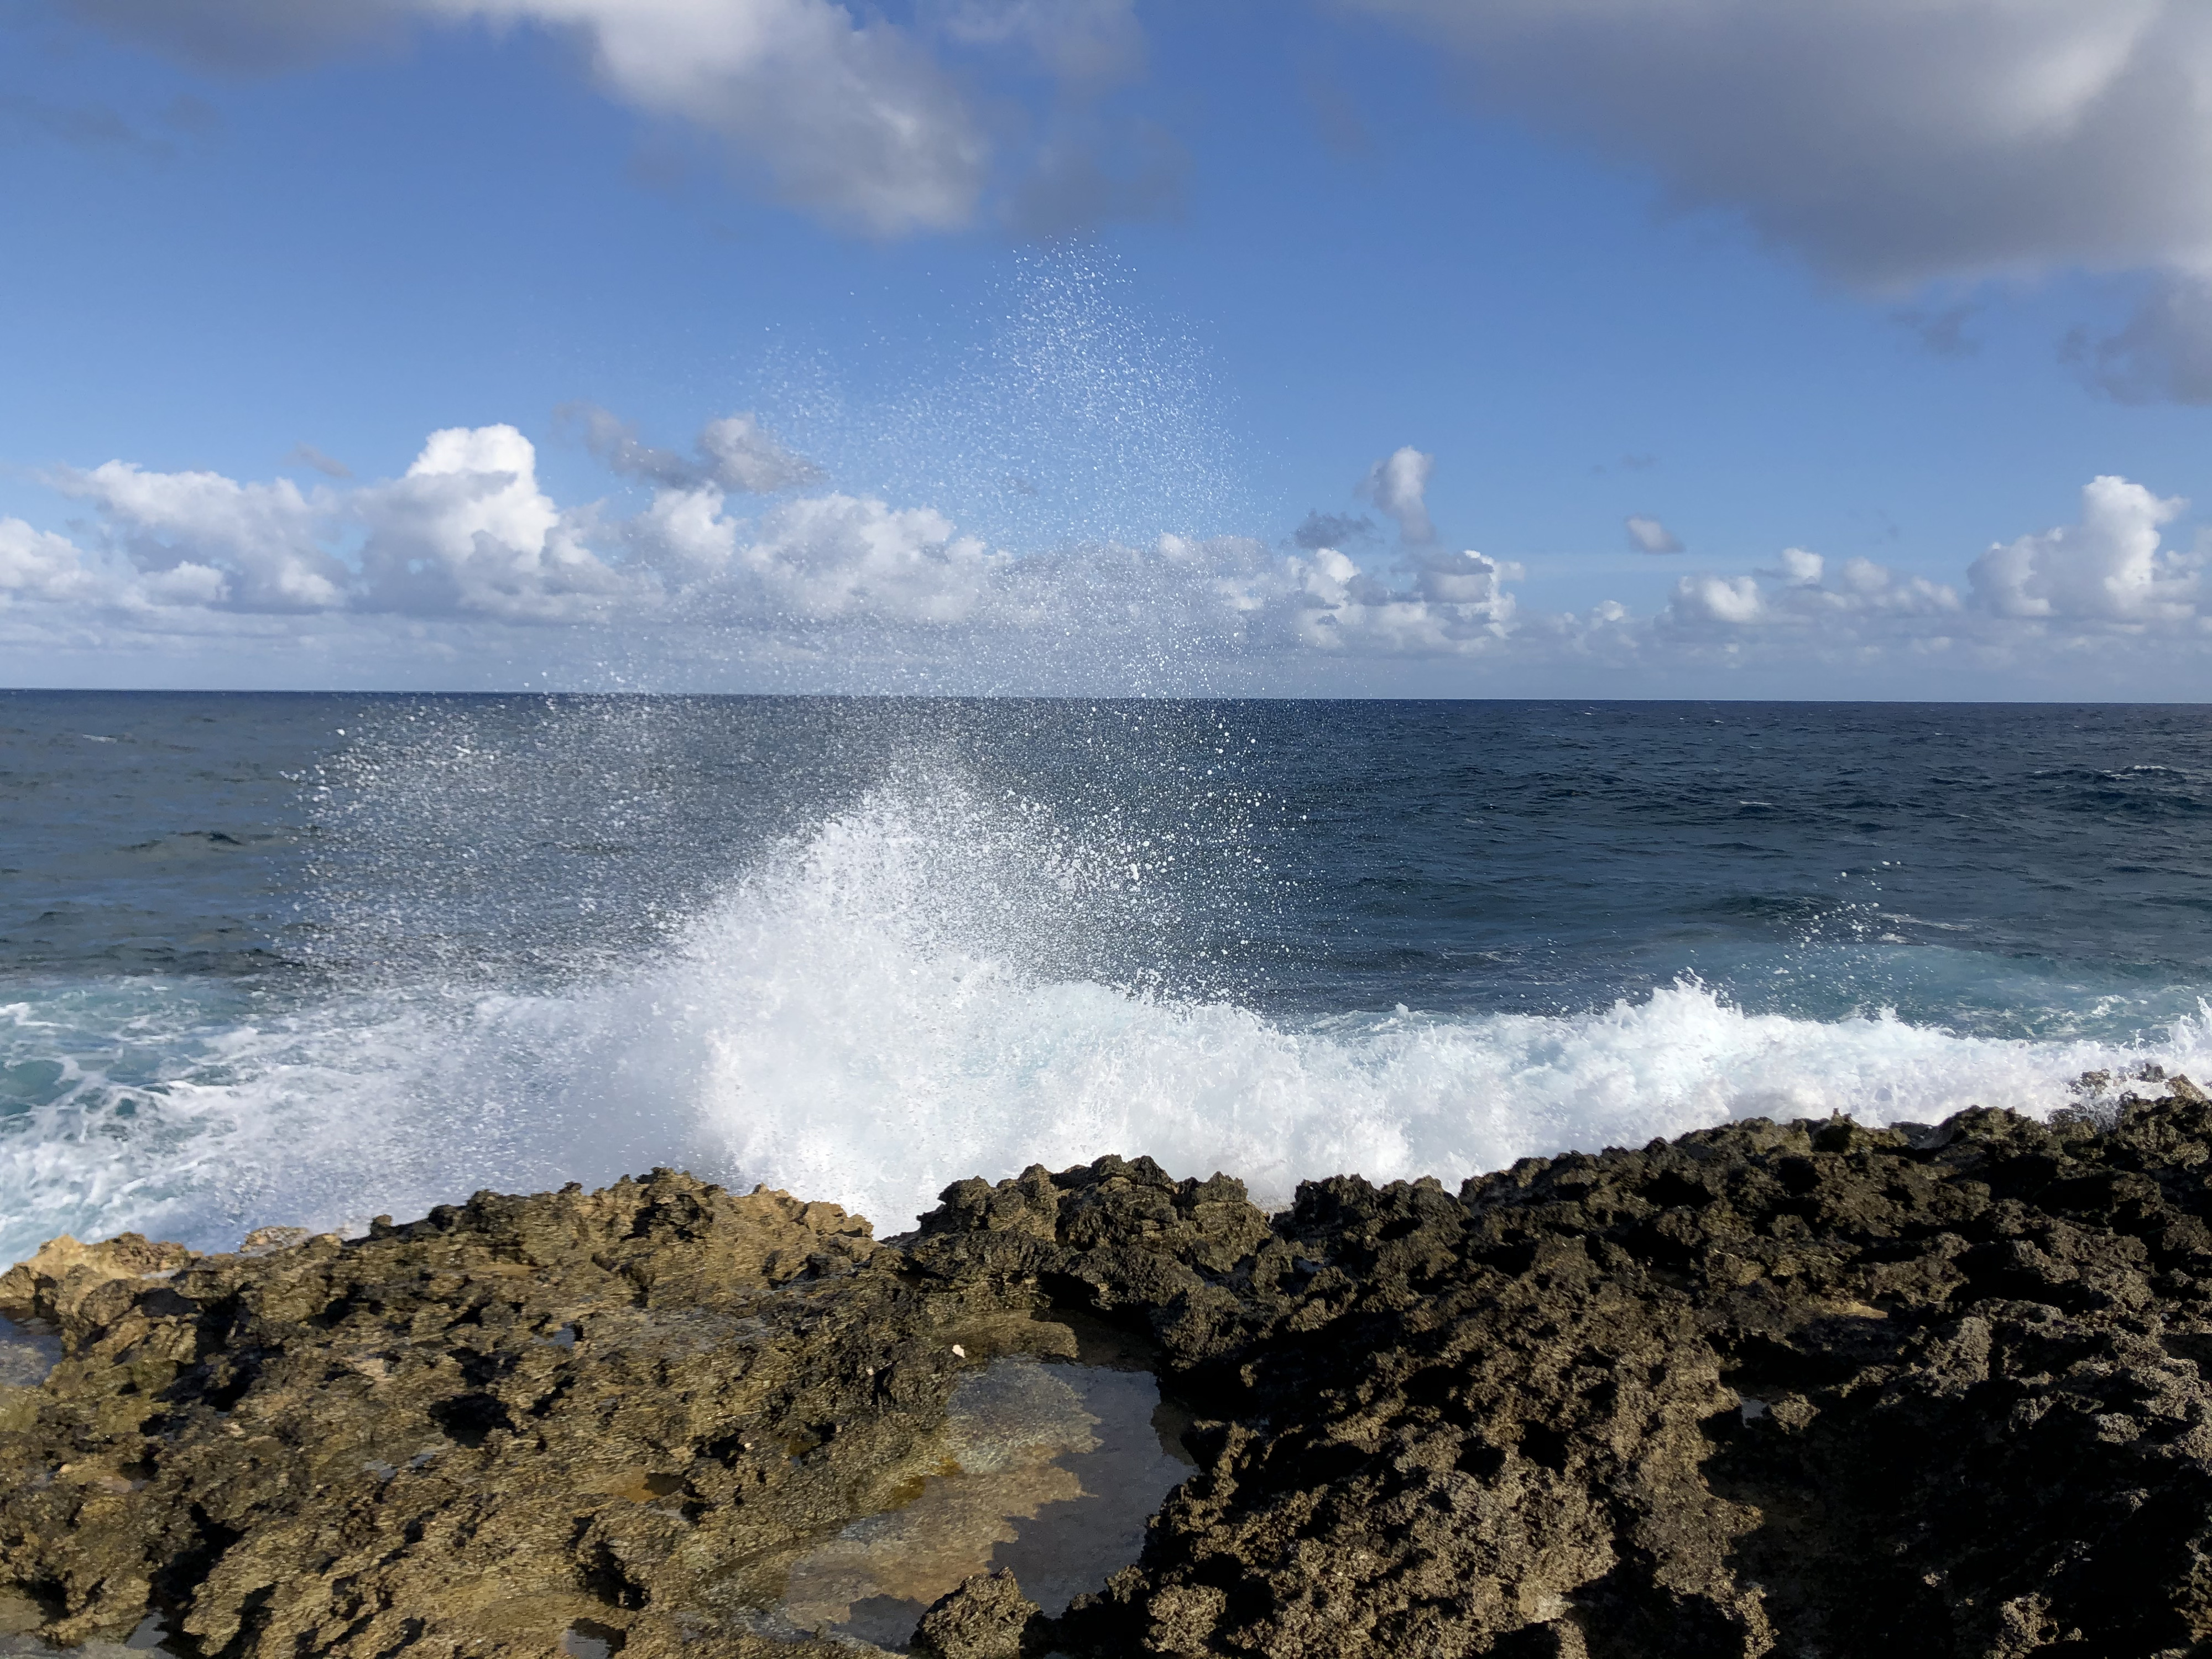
(1796, 1389)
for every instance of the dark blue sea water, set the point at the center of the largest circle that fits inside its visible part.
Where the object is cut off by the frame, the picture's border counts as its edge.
(310, 958)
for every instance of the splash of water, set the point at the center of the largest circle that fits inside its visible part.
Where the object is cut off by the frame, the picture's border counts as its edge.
(931, 983)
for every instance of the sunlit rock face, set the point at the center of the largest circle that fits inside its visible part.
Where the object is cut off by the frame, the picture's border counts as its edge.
(1765, 1389)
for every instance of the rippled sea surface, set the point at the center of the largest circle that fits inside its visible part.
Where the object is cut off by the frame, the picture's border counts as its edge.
(307, 959)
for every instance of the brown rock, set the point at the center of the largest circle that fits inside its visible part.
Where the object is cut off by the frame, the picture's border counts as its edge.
(1789, 1390)
(984, 1618)
(55, 1283)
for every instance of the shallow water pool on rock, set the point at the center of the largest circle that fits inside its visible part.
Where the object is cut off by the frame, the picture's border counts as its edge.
(1046, 1468)
(29, 1349)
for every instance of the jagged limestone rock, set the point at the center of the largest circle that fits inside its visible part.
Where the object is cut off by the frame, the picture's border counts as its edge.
(1791, 1390)
(984, 1618)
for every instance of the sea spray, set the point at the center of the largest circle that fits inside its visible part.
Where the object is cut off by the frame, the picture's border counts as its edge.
(940, 979)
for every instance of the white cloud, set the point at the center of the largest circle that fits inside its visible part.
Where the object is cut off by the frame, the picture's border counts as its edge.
(1398, 484)
(829, 107)
(1731, 601)
(851, 120)
(685, 533)
(36, 564)
(265, 536)
(1896, 141)
(1891, 140)
(2109, 568)
(1648, 535)
(1801, 568)
(469, 538)
(468, 531)
(1860, 600)
(2064, 591)
(185, 584)
(821, 562)
(833, 558)
(1454, 604)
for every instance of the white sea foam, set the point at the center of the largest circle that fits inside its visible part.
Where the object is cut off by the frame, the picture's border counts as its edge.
(851, 1032)
(893, 1002)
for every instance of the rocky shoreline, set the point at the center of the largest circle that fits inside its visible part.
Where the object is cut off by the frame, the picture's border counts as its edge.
(1798, 1389)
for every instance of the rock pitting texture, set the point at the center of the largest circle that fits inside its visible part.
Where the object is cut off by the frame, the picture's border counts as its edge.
(1798, 1389)
(986, 1617)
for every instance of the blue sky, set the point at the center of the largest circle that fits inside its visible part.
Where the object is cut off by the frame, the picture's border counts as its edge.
(1069, 329)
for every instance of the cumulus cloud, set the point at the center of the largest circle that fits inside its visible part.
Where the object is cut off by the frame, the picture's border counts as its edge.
(2070, 588)
(469, 536)
(1453, 605)
(36, 564)
(1858, 600)
(2109, 568)
(469, 533)
(1648, 535)
(264, 537)
(824, 561)
(820, 559)
(1799, 568)
(1398, 484)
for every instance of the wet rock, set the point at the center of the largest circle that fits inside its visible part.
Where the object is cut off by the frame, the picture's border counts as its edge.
(57, 1283)
(1796, 1389)
(984, 1618)
(474, 1429)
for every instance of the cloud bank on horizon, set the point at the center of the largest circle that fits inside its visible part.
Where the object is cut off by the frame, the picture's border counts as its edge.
(469, 540)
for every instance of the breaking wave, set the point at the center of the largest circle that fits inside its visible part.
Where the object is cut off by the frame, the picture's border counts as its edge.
(931, 984)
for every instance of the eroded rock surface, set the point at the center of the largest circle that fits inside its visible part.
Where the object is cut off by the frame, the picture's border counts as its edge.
(1806, 1389)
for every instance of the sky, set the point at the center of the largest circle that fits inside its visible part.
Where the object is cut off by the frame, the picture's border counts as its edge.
(1437, 348)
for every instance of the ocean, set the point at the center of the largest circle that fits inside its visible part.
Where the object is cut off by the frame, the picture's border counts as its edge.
(307, 959)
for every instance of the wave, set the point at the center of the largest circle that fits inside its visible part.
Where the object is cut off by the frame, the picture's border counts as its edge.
(934, 984)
